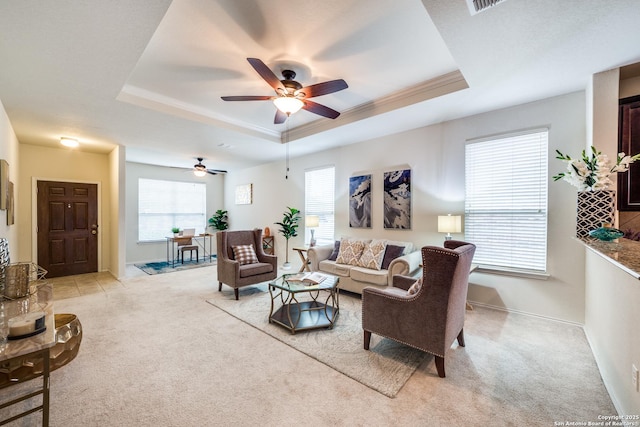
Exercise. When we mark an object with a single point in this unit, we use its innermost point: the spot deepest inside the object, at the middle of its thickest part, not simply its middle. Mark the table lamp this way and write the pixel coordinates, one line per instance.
(311, 222)
(449, 224)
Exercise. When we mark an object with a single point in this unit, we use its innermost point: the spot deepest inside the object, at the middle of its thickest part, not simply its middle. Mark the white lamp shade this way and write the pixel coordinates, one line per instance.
(288, 104)
(312, 221)
(449, 223)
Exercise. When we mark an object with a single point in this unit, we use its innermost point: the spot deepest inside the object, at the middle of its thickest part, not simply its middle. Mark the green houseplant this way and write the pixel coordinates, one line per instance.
(288, 228)
(175, 231)
(219, 220)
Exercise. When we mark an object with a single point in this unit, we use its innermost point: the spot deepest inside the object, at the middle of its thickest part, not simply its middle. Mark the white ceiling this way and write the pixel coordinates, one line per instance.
(149, 74)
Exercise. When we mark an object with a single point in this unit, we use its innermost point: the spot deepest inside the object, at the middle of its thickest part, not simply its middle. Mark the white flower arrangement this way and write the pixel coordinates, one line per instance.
(591, 173)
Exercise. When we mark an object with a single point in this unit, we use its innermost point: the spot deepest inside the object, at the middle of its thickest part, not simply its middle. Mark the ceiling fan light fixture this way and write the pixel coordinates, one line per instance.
(199, 172)
(288, 104)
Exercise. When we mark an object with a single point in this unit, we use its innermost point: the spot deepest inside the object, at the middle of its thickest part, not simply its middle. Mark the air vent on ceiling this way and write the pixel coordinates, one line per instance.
(477, 6)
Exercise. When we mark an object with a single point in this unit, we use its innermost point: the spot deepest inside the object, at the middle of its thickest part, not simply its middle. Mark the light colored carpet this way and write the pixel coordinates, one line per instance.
(155, 353)
(385, 368)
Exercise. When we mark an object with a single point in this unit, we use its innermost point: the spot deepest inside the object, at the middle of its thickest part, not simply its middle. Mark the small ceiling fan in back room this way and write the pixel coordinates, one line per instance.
(291, 96)
(201, 170)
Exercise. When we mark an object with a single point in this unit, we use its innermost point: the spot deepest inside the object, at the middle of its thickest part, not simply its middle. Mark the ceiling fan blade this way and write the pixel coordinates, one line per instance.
(216, 171)
(266, 73)
(324, 88)
(320, 109)
(247, 98)
(280, 117)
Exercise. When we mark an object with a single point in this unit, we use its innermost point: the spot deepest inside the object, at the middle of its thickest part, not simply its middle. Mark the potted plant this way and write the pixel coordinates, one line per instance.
(175, 231)
(219, 220)
(288, 228)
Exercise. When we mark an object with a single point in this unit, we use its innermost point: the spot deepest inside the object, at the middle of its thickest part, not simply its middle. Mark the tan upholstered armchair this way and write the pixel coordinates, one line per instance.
(433, 317)
(233, 272)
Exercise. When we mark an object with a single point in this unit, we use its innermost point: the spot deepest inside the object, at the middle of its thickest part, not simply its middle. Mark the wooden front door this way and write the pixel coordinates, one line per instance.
(67, 228)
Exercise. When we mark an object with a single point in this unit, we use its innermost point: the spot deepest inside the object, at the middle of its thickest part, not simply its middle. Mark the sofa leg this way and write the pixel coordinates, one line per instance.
(440, 366)
(367, 339)
(219, 286)
(236, 293)
(461, 338)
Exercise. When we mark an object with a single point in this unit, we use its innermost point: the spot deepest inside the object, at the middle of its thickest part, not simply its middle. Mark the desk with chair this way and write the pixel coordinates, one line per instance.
(178, 245)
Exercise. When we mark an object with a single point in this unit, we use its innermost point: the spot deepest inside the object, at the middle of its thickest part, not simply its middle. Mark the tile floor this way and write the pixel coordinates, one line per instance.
(83, 284)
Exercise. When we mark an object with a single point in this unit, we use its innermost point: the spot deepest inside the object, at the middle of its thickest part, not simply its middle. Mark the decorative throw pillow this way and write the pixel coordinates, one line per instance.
(245, 254)
(336, 249)
(392, 252)
(415, 287)
(372, 254)
(350, 251)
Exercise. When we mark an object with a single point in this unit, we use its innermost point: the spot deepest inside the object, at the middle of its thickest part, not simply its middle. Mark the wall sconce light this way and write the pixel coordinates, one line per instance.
(311, 222)
(449, 224)
(69, 142)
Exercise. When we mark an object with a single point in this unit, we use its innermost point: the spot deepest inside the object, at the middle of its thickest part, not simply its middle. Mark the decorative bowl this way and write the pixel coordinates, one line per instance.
(606, 234)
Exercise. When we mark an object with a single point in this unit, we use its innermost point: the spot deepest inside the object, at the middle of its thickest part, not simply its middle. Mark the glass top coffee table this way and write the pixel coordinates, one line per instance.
(302, 305)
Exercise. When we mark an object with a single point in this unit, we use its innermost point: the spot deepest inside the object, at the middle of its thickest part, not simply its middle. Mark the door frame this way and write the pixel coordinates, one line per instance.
(34, 214)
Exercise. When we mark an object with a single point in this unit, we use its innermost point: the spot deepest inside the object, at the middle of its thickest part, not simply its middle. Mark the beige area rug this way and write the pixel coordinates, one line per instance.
(385, 368)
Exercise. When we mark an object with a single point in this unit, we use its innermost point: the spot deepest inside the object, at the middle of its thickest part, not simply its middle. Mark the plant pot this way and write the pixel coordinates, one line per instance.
(286, 266)
(594, 209)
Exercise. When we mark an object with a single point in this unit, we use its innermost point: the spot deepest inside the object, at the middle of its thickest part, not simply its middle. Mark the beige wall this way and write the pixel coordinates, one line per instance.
(9, 152)
(436, 156)
(43, 163)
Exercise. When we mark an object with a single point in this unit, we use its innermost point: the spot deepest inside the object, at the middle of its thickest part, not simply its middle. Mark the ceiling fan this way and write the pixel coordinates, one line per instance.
(201, 170)
(291, 96)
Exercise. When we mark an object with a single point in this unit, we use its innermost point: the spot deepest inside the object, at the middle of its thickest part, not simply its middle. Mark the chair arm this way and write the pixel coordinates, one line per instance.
(228, 270)
(403, 282)
(404, 265)
(317, 254)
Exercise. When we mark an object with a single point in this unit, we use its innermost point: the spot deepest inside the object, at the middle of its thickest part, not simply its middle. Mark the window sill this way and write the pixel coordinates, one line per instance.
(504, 271)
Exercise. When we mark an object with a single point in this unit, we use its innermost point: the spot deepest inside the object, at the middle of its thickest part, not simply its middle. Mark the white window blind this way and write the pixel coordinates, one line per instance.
(163, 205)
(319, 199)
(506, 200)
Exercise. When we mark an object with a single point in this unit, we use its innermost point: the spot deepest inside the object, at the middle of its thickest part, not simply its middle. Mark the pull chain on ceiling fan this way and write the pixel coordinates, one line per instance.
(291, 96)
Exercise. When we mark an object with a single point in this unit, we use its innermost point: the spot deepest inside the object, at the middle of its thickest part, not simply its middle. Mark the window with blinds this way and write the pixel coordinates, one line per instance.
(506, 200)
(319, 199)
(163, 205)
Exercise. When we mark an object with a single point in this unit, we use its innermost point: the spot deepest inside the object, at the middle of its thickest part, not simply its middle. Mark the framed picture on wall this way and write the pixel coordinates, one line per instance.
(244, 194)
(397, 199)
(10, 205)
(360, 201)
(4, 184)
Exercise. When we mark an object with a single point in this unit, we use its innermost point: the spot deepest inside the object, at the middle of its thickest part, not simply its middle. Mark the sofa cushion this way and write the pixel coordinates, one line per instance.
(350, 251)
(392, 252)
(408, 246)
(374, 277)
(334, 268)
(336, 249)
(245, 254)
(373, 254)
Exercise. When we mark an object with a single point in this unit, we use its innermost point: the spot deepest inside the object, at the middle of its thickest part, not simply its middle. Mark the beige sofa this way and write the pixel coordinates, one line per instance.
(354, 278)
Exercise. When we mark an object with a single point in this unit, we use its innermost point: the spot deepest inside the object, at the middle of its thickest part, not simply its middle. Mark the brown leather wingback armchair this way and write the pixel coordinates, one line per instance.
(432, 318)
(231, 272)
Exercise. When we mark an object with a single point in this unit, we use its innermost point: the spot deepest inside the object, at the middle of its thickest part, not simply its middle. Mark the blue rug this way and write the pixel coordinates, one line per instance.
(165, 267)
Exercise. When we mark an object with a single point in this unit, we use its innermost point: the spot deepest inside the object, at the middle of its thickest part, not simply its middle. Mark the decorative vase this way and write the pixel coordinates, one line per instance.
(594, 209)
(267, 231)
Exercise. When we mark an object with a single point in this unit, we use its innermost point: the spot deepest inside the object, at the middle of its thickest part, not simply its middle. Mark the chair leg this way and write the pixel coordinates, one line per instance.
(461, 338)
(236, 293)
(197, 256)
(440, 366)
(219, 286)
(182, 252)
(367, 339)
